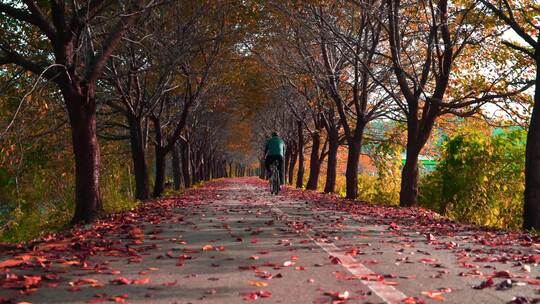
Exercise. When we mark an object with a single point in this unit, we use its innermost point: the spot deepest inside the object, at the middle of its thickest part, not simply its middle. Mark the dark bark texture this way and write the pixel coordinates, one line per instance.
(300, 152)
(331, 167)
(531, 207)
(314, 164)
(138, 155)
(87, 159)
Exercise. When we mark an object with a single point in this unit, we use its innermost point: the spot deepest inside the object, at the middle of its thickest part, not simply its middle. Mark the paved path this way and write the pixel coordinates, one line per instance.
(231, 242)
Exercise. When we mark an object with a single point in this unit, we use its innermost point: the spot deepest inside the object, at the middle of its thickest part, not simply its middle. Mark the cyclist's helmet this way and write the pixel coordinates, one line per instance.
(275, 133)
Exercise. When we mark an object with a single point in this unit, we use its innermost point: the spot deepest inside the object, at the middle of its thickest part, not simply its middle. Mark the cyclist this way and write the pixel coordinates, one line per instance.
(275, 150)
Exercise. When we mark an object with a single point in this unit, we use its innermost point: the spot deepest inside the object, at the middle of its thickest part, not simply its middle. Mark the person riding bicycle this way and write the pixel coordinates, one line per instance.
(275, 151)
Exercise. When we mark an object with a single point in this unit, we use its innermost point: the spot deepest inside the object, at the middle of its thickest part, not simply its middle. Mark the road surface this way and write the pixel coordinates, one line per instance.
(232, 242)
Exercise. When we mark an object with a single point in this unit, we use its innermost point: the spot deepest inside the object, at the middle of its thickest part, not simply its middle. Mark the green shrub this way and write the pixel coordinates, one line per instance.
(367, 187)
(39, 197)
(387, 159)
(341, 186)
(117, 188)
(480, 179)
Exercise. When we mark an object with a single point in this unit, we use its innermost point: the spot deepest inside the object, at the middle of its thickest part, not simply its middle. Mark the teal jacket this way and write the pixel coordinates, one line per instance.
(275, 146)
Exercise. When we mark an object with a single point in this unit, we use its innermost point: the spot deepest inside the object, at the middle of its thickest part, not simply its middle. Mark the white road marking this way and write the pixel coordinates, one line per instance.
(387, 293)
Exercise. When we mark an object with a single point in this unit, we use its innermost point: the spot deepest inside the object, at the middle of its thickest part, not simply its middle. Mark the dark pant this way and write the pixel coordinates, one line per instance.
(270, 159)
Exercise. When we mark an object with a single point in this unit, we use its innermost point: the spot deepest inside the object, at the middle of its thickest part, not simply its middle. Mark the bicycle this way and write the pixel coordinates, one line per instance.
(274, 179)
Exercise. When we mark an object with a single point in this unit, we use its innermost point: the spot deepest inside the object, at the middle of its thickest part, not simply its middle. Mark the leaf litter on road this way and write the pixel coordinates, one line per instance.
(132, 238)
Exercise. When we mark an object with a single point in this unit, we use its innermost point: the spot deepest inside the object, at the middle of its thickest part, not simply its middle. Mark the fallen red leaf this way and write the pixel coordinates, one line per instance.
(434, 295)
(119, 299)
(15, 261)
(502, 274)
(136, 233)
(335, 260)
(394, 226)
(256, 294)
(141, 281)
(120, 281)
(485, 284)
(338, 295)
(169, 283)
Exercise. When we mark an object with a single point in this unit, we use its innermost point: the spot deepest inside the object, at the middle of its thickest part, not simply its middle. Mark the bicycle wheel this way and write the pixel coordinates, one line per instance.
(275, 179)
(271, 180)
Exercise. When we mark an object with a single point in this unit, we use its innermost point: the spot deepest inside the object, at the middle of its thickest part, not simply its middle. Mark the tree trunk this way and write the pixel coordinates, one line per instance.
(195, 168)
(202, 168)
(408, 194)
(82, 116)
(223, 169)
(287, 163)
(159, 184)
(262, 173)
(333, 146)
(207, 169)
(531, 207)
(351, 173)
(213, 169)
(300, 175)
(202, 175)
(291, 166)
(185, 157)
(138, 155)
(176, 167)
(314, 165)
